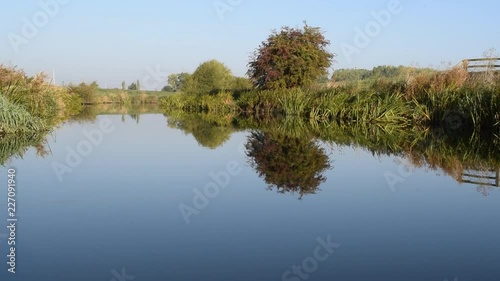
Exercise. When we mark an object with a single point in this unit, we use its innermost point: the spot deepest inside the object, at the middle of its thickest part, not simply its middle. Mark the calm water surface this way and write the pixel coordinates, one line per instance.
(132, 210)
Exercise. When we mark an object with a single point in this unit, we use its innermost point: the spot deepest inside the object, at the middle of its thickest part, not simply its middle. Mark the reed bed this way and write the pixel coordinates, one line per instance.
(31, 104)
(14, 119)
(454, 99)
(222, 102)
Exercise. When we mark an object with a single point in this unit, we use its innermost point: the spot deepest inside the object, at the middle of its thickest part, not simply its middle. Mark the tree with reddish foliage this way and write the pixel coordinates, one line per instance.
(293, 57)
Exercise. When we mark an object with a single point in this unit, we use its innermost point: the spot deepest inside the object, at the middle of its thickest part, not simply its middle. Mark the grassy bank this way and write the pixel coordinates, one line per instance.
(30, 104)
(15, 118)
(452, 99)
(93, 95)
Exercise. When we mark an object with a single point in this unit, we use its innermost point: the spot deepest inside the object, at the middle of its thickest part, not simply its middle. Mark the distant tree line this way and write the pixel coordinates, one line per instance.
(136, 86)
(384, 71)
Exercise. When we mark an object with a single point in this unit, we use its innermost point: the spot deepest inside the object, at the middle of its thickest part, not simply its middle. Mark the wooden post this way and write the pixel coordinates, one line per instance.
(498, 178)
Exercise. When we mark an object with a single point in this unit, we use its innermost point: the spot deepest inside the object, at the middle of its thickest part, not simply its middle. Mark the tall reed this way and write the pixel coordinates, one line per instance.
(14, 119)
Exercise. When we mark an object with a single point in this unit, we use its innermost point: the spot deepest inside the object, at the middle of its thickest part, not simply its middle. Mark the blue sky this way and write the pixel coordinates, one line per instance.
(116, 40)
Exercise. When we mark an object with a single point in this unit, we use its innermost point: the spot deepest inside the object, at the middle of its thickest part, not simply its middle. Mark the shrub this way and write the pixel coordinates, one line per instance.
(209, 78)
(87, 93)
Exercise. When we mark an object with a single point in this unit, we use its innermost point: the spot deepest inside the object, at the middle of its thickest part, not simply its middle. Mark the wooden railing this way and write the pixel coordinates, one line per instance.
(489, 178)
(481, 65)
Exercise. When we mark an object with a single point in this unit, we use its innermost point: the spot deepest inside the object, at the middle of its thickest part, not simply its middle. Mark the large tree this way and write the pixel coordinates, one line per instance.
(292, 57)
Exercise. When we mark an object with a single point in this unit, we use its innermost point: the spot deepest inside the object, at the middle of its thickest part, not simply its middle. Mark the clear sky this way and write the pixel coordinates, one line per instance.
(115, 40)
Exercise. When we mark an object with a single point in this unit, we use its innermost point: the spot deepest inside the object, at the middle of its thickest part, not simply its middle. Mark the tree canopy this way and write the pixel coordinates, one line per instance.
(176, 81)
(132, 87)
(292, 57)
(208, 78)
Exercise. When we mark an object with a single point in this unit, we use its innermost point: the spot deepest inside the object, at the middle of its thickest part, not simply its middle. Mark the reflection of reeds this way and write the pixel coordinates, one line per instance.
(18, 145)
(89, 113)
(449, 151)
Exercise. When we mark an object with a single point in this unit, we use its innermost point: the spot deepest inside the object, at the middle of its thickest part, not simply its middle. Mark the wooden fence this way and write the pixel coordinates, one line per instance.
(488, 178)
(481, 65)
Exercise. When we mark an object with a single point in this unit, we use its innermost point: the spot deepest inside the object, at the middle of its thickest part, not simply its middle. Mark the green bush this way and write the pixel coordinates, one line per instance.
(88, 93)
(209, 78)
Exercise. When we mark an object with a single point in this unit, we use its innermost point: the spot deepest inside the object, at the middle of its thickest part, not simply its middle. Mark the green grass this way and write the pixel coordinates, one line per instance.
(15, 119)
(30, 104)
(221, 102)
(439, 99)
(133, 92)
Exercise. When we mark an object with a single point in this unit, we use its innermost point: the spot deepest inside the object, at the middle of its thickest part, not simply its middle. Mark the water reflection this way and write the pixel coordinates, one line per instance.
(289, 164)
(287, 153)
(12, 146)
(208, 132)
(15, 146)
(284, 152)
(90, 113)
(144, 169)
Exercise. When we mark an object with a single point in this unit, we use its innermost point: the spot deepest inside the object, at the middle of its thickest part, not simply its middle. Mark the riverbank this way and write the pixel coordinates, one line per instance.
(452, 99)
(450, 150)
(30, 104)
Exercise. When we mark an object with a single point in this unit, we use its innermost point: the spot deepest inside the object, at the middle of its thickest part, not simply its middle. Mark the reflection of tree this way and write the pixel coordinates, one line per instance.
(136, 117)
(207, 133)
(484, 190)
(291, 164)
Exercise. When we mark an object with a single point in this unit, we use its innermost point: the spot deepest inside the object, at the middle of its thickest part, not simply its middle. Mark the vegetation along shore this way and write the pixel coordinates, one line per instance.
(287, 76)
